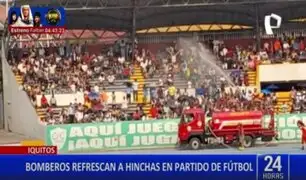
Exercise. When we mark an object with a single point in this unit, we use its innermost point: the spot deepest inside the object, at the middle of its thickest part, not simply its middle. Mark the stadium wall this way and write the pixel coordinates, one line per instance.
(19, 114)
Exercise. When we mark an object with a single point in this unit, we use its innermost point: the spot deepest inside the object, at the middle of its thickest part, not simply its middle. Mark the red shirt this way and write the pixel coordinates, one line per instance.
(304, 133)
(153, 112)
(302, 46)
(86, 58)
(43, 100)
(126, 71)
(136, 116)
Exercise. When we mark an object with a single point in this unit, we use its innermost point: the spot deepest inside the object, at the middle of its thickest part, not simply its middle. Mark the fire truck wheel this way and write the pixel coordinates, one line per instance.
(248, 141)
(195, 143)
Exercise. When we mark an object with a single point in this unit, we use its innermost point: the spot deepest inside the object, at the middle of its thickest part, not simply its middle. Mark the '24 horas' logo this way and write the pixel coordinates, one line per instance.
(268, 23)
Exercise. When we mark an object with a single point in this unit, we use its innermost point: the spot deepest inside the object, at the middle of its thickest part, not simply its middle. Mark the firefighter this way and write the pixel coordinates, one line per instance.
(302, 127)
(241, 137)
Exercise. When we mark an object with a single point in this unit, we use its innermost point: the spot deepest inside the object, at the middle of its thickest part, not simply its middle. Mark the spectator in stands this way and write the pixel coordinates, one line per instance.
(44, 101)
(113, 97)
(53, 101)
(135, 90)
(154, 112)
(111, 79)
(71, 68)
(137, 115)
(71, 113)
(124, 105)
(129, 91)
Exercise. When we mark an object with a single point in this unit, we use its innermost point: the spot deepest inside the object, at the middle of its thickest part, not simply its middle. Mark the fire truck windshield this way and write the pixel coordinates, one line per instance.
(186, 118)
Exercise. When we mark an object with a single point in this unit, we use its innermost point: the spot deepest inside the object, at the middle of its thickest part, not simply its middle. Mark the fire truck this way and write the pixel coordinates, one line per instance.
(224, 128)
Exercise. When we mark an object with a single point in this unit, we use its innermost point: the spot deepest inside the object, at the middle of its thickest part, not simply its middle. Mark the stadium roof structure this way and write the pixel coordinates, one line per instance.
(118, 14)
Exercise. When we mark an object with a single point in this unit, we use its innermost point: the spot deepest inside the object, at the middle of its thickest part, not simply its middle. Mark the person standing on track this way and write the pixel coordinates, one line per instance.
(241, 137)
(302, 127)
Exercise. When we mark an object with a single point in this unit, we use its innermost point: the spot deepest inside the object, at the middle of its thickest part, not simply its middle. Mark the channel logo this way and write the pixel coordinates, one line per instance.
(268, 27)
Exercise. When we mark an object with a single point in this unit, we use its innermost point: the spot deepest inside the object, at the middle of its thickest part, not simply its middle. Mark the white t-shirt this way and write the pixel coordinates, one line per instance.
(100, 57)
(135, 86)
(249, 96)
(266, 45)
(101, 78)
(173, 58)
(21, 67)
(52, 121)
(73, 88)
(37, 63)
(79, 116)
(124, 105)
(36, 69)
(160, 82)
(110, 78)
(71, 111)
(263, 54)
(143, 65)
(139, 59)
(121, 60)
(97, 89)
(52, 69)
(189, 84)
(224, 52)
(89, 72)
(84, 67)
(286, 45)
(57, 59)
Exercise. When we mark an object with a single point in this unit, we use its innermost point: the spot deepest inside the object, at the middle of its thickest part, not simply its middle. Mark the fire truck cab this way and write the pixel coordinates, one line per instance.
(224, 128)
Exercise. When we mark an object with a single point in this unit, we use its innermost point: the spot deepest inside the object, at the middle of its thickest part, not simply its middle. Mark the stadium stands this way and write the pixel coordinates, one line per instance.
(70, 85)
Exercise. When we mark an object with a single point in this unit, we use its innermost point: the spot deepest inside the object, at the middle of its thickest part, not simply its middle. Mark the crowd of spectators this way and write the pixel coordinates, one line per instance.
(71, 69)
(210, 85)
(298, 101)
(68, 69)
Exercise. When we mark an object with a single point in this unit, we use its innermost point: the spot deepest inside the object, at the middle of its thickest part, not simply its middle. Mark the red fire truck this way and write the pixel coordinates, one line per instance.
(224, 128)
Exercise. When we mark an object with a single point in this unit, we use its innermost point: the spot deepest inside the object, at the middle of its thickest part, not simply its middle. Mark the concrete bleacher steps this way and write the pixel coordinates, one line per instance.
(146, 109)
(252, 75)
(41, 112)
(283, 97)
(138, 75)
(133, 106)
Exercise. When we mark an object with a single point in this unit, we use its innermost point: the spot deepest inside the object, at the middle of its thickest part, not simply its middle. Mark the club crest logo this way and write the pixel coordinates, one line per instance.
(58, 137)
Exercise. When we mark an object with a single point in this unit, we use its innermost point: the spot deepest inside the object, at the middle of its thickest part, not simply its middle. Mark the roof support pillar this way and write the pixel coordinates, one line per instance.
(133, 30)
(258, 39)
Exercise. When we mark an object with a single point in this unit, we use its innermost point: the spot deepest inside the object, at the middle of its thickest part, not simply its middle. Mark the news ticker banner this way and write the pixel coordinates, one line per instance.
(36, 20)
(139, 167)
(141, 134)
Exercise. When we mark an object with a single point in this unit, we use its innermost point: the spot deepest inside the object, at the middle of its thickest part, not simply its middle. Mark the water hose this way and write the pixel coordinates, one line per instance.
(226, 145)
(216, 137)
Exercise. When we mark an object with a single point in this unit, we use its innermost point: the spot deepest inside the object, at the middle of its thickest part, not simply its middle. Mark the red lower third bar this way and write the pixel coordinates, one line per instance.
(38, 150)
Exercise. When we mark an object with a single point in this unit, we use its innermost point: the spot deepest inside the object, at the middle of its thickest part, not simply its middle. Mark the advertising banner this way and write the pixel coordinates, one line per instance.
(290, 72)
(142, 134)
(287, 127)
(116, 136)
